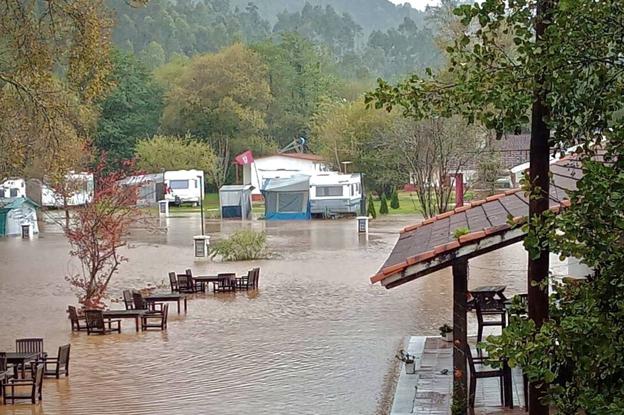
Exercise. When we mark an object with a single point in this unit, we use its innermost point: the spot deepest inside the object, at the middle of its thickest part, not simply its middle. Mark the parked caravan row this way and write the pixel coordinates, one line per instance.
(177, 187)
(81, 185)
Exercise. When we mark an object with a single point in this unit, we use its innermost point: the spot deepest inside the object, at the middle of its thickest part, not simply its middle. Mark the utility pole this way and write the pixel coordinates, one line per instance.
(538, 269)
(201, 203)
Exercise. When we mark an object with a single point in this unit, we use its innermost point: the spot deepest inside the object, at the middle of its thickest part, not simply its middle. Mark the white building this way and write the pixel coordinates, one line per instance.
(282, 165)
(16, 212)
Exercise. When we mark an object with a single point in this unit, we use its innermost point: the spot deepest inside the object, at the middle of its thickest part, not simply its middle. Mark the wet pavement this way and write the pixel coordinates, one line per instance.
(316, 338)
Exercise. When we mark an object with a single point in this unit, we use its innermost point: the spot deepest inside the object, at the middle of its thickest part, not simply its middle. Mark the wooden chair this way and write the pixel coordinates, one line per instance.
(482, 312)
(227, 282)
(128, 299)
(155, 319)
(75, 319)
(97, 324)
(6, 371)
(197, 285)
(60, 363)
(25, 388)
(256, 277)
(173, 281)
(30, 345)
(481, 374)
(185, 284)
(138, 301)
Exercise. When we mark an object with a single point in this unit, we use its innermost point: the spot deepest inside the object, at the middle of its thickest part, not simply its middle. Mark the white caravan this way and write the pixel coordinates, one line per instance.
(334, 194)
(184, 186)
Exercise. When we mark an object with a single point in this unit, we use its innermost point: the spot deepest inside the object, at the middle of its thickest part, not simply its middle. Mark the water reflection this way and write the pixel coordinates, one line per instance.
(317, 338)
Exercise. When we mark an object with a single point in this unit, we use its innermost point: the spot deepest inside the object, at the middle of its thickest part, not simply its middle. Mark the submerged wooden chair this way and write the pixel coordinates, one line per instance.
(173, 282)
(6, 371)
(25, 388)
(97, 324)
(30, 345)
(75, 319)
(128, 299)
(185, 283)
(60, 363)
(155, 319)
(227, 282)
(197, 285)
(245, 282)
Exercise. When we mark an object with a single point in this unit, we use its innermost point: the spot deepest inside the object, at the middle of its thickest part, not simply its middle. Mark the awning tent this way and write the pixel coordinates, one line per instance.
(492, 223)
(287, 198)
(235, 201)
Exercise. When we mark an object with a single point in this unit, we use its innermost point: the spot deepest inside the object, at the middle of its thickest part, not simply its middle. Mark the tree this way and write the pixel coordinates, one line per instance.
(565, 72)
(96, 233)
(371, 207)
(489, 170)
(130, 112)
(394, 200)
(383, 206)
(53, 64)
(153, 56)
(175, 153)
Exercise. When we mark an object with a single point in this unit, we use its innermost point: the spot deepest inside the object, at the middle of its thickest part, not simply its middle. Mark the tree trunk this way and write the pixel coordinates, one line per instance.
(538, 204)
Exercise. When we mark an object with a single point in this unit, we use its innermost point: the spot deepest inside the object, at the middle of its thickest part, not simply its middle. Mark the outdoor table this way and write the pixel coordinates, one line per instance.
(161, 297)
(489, 296)
(135, 314)
(206, 279)
(18, 359)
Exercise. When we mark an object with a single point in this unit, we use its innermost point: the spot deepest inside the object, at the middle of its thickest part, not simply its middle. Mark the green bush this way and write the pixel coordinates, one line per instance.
(242, 245)
(383, 208)
(371, 207)
(394, 200)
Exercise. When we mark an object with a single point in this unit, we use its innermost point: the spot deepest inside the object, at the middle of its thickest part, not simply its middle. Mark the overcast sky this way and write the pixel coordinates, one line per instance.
(419, 4)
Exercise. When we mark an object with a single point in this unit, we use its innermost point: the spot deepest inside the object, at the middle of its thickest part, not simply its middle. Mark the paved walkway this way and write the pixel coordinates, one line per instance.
(429, 391)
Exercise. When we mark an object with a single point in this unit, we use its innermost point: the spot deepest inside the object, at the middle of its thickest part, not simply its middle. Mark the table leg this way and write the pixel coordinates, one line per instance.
(184, 305)
(507, 385)
(136, 321)
(178, 306)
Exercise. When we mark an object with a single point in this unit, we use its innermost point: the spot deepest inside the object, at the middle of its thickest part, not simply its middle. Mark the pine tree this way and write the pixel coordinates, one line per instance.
(394, 201)
(383, 208)
(371, 207)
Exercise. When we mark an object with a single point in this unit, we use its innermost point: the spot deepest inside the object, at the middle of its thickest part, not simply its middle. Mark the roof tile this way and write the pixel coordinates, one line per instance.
(471, 237)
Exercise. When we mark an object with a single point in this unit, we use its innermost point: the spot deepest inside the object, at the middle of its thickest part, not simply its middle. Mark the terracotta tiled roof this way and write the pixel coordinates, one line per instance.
(434, 237)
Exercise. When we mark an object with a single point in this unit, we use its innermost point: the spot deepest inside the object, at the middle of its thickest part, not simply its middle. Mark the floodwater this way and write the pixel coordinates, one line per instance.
(316, 338)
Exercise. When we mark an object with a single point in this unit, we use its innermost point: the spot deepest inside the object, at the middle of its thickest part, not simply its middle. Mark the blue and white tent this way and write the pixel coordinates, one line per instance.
(287, 198)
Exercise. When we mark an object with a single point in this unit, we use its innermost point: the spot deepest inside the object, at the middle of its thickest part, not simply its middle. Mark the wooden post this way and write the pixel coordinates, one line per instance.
(539, 176)
(460, 336)
(459, 190)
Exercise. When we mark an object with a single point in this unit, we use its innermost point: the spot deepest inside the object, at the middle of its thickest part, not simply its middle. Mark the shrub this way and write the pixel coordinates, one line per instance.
(394, 200)
(242, 245)
(383, 208)
(371, 207)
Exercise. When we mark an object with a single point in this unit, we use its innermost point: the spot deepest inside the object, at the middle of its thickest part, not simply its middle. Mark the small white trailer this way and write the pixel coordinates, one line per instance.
(184, 186)
(333, 194)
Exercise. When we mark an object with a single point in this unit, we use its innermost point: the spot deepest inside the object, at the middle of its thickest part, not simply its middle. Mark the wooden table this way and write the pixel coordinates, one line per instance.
(18, 359)
(162, 297)
(135, 314)
(489, 296)
(206, 279)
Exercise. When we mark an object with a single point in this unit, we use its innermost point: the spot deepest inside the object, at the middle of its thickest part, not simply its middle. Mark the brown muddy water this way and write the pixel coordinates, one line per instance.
(316, 338)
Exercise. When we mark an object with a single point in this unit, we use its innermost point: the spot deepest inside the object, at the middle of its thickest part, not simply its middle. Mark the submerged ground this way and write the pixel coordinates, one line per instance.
(316, 338)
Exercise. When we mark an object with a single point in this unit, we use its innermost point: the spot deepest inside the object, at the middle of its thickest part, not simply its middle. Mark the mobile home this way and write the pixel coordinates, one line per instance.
(334, 194)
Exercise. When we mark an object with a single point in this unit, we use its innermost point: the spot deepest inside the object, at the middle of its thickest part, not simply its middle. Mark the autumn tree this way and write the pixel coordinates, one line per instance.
(54, 62)
(96, 233)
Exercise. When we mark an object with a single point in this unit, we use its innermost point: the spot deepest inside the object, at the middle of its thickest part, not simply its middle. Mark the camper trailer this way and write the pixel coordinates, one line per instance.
(184, 186)
(13, 188)
(335, 194)
(81, 185)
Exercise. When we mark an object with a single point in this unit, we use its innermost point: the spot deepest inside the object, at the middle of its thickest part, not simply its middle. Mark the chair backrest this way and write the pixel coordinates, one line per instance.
(128, 300)
(63, 356)
(227, 278)
(95, 320)
(173, 281)
(3, 362)
(138, 301)
(73, 313)
(189, 272)
(184, 282)
(38, 376)
(256, 277)
(32, 345)
(165, 311)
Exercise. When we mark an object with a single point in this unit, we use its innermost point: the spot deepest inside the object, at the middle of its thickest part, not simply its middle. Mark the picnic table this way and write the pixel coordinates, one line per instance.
(164, 297)
(20, 359)
(135, 314)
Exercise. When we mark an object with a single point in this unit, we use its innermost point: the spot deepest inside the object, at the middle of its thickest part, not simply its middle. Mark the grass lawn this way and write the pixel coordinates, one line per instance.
(408, 204)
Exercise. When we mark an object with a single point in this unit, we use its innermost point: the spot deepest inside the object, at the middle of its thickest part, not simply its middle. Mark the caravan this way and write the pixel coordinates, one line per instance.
(184, 186)
(334, 194)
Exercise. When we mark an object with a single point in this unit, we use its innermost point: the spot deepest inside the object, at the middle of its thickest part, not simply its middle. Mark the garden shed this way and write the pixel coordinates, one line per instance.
(235, 201)
(287, 198)
(15, 212)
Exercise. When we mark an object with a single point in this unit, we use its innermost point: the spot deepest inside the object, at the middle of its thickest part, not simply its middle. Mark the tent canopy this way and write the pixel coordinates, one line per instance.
(287, 198)
(235, 201)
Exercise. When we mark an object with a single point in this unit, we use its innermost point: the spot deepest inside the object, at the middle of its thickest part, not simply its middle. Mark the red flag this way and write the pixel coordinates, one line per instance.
(244, 158)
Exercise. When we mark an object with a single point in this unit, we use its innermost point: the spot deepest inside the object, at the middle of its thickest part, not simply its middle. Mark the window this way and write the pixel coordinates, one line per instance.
(178, 184)
(322, 191)
(14, 192)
